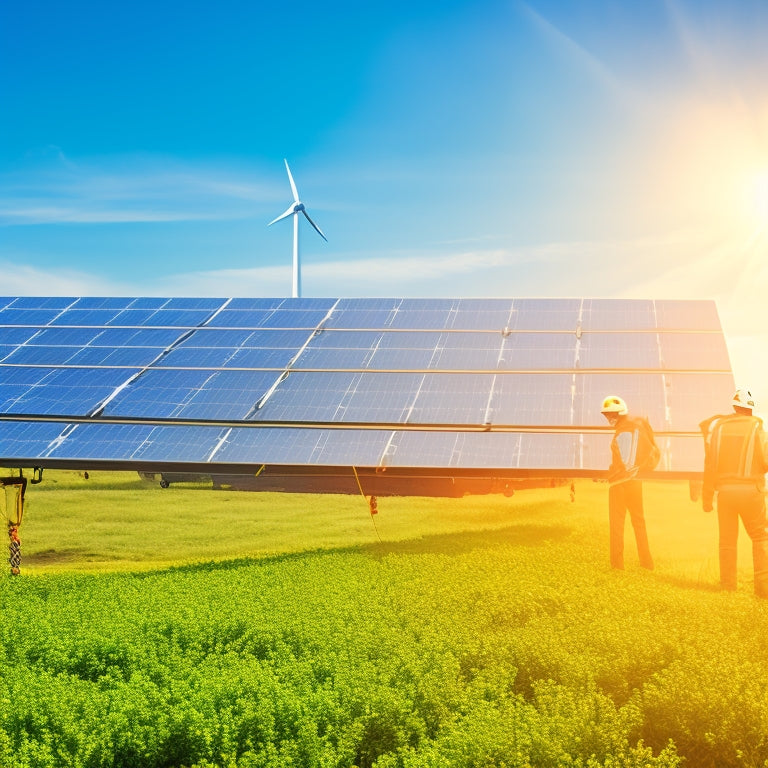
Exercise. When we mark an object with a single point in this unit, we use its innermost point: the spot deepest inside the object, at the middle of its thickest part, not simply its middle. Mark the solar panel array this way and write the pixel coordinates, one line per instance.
(511, 384)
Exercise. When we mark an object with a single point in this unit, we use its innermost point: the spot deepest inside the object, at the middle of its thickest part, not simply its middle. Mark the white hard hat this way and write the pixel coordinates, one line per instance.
(614, 404)
(742, 398)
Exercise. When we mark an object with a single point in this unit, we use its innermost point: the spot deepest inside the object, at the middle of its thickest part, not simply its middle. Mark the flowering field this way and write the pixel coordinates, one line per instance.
(505, 644)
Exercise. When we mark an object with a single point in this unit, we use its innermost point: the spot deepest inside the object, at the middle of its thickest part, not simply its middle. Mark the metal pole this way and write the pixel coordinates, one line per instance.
(296, 276)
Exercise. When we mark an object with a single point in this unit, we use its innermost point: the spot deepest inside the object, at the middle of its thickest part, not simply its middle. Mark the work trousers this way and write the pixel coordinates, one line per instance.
(623, 498)
(748, 503)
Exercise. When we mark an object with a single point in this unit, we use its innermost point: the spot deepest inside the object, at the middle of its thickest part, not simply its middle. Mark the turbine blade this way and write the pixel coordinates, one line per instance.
(317, 229)
(282, 216)
(293, 185)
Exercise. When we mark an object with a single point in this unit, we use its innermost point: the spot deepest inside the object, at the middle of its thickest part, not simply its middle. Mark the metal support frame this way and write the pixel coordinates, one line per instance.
(14, 514)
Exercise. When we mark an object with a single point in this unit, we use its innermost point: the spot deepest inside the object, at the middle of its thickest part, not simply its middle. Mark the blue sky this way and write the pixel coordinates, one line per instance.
(453, 148)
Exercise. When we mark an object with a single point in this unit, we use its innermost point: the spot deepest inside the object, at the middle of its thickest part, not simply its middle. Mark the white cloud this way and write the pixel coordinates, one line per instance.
(23, 280)
(128, 189)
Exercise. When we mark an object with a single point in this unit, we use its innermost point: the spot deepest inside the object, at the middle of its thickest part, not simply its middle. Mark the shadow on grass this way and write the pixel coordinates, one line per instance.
(527, 535)
(62, 556)
(688, 582)
(451, 544)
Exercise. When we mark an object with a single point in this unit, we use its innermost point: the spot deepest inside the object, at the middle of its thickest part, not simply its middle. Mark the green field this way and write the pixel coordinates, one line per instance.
(190, 627)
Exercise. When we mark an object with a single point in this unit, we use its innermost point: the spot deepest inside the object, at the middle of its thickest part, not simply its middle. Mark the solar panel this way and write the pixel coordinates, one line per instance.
(503, 384)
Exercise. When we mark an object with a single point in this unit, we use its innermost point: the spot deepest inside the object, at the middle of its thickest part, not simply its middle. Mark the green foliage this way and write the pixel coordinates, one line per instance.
(515, 647)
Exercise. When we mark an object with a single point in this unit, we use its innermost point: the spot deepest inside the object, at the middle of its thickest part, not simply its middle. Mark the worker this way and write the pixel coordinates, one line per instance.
(633, 448)
(734, 469)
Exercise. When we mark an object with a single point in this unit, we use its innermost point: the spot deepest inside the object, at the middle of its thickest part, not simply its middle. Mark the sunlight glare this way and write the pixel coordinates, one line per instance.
(760, 196)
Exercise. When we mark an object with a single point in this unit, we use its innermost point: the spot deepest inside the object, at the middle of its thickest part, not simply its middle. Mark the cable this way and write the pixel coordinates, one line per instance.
(372, 505)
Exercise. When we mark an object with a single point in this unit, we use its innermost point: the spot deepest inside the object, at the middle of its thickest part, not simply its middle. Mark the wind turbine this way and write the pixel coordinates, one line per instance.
(294, 210)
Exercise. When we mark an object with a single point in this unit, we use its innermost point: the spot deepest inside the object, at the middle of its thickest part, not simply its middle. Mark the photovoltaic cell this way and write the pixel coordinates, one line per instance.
(533, 399)
(459, 398)
(34, 354)
(27, 440)
(68, 392)
(191, 394)
(338, 396)
(691, 398)
(466, 351)
(401, 351)
(694, 352)
(346, 349)
(100, 302)
(27, 317)
(538, 351)
(687, 315)
(87, 317)
(360, 319)
(38, 302)
(620, 350)
(618, 315)
(98, 442)
(545, 314)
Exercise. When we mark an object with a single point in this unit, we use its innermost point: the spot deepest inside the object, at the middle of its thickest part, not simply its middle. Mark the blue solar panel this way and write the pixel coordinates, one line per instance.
(618, 315)
(687, 315)
(545, 314)
(360, 319)
(529, 399)
(544, 364)
(694, 351)
(39, 302)
(179, 318)
(35, 317)
(619, 350)
(459, 398)
(691, 397)
(148, 302)
(346, 349)
(27, 440)
(99, 442)
(65, 337)
(201, 394)
(404, 351)
(335, 396)
(41, 355)
(243, 348)
(134, 317)
(294, 318)
(468, 351)
(483, 314)
(538, 351)
(101, 302)
(87, 317)
(413, 317)
(303, 446)
(10, 338)
(67, 391)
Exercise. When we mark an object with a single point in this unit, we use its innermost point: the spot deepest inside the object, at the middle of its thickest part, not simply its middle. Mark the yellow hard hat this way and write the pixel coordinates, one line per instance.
(742, 398)
(614, 404)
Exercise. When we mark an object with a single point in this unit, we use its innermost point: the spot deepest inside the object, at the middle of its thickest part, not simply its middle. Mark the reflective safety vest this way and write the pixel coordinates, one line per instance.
(734, 451)
(633, 448)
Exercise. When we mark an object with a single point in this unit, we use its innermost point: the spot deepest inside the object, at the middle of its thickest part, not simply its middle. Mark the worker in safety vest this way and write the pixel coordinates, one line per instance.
(633, 448)
(734, 468)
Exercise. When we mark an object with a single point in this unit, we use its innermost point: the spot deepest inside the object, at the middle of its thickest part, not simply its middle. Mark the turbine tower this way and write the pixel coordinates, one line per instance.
(294, 210)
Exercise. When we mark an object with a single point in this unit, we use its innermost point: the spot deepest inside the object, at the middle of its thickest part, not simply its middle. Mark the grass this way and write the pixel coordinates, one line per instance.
(118, 521)
(189, 627)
